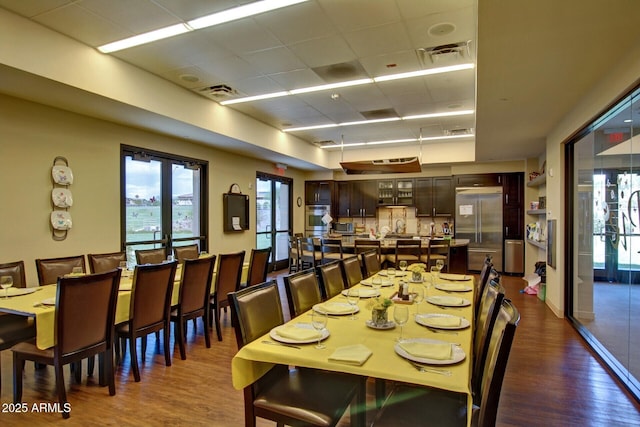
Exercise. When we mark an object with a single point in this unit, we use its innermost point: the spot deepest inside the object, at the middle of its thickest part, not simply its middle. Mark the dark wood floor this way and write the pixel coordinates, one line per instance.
(552, 380)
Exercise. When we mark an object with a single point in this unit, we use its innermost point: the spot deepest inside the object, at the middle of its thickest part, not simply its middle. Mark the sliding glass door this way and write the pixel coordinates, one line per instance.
(273, 217)
(604, 288)
(163, 201)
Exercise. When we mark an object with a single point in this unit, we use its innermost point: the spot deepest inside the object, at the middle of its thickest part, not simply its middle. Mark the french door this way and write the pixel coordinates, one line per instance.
(273, 217)
(163, 201)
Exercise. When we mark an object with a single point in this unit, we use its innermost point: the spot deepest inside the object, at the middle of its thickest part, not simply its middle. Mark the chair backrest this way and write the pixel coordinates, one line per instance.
(150, 256)
(228, 275)
(370, 262)
(352, 270)
(15, 270)
(364, 245)
(255, 310)
(99, 263)
(151, 294)
(294, 253)
(180, 253)
(489, 305)
(331, 279)
(85, 313)
(408, 250)
(195, 288)
(330, 249)
(308, 253)
(495, 367)
(50, 269)
(438, 249)
(258, 266)
(302, 291)
(482, 282)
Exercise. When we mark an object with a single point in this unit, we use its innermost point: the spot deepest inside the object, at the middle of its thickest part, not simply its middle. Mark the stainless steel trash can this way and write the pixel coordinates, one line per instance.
(514, 256)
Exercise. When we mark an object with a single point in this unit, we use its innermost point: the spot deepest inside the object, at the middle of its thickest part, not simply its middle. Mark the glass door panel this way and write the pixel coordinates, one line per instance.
(273, 217)
(185, 205)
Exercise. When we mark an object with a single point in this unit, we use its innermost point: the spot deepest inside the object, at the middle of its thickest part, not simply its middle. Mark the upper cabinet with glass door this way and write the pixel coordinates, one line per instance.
(392, 192)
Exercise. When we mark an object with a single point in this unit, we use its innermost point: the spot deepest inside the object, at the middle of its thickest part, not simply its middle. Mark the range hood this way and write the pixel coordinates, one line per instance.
(401, 165)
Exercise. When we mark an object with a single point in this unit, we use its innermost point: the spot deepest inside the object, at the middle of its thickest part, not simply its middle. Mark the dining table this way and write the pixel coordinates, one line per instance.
(443, 320)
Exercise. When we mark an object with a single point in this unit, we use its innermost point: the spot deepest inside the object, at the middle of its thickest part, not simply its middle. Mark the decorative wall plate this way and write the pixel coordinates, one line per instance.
(62, 175)
(62, 197)
(61, 220)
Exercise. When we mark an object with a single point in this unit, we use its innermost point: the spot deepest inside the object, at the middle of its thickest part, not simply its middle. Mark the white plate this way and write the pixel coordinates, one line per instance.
(455, 277)
(61, 220)
(62, 197)
(364, 293)
(447, 301)
(352, 308)
(458, 353)
(274, 334)
(423, 319)
(385, 283)
(49, 301)
(62, 175)
(398, 273)
(390, 324)
(443, 287)
(14, 292)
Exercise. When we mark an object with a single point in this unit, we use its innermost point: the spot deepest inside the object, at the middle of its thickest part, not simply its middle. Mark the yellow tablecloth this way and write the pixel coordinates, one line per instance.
(256, 358)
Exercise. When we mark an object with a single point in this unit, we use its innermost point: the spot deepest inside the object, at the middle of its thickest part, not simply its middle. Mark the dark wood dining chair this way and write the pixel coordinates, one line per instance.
(302, 290)
(193, 300)
(181, 253)
(289, 396)
(490, 301)
(49, 269)
(409, 405)
(352, 270)
(407, 250)
(364, 245)
(99, 263)
(483, 279)
(84, 317)
(331, 279)
(151, 256)
(437, 249)
(258, 266)
(309, 254)
(13, 327)
(228, 279)
(149, 310)
(370, 262)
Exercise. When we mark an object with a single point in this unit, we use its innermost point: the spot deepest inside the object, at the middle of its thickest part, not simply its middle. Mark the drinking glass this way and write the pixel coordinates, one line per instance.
(5, 283)
(391, 273)
(418, 296)
(400, 316)
(440, 264)
(402, 265)
(353, 296)
(435, 275)
(319, 322)
(376, 283)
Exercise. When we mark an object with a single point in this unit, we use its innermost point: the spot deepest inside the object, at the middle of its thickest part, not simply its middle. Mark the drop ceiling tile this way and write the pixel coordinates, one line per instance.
(255, 85)
(276, 60)
(33, 8)
(379, 40)
(465, 28)
(135, 16)
(297, 23)
(231, 68)
(243, 36)
(297, 79)
(188, 10)
(356, 14)
(323, 51)
(383, 65)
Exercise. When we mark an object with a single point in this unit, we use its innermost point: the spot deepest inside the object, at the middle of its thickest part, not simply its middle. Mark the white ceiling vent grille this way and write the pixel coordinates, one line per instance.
(458, 131)
(218, 92)
(444, 53)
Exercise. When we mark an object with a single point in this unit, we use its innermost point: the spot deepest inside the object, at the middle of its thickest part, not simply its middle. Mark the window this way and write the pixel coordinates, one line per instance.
(164, 201)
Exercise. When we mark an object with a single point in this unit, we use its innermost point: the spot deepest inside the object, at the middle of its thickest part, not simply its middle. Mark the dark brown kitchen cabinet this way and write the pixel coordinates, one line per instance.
(478, 180)
(513, 205)
(434, 196)
(318, 192)
(357, 198)
(399, 192)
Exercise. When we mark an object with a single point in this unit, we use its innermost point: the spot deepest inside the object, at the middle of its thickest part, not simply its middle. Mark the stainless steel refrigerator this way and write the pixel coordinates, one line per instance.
(479, 219)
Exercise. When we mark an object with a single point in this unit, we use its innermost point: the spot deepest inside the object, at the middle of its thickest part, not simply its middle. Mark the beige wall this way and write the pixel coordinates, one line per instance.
(32, 135)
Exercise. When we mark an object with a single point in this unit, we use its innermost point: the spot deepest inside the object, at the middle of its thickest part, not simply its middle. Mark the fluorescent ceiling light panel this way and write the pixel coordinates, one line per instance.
(149, 37)
(389, 119)
(234, 14)
(240, 12)
(421, 73)
(330, 86)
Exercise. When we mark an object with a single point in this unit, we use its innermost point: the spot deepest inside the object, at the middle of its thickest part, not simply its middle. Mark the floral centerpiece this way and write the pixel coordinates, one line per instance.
(379, 315)
(416, 271)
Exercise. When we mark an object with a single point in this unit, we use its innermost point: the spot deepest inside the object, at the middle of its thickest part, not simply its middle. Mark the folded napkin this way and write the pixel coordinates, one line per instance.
(453, 286)
(364, 293)
(424, 350)
(333, 308)
(444, 321)
(355, 354)
(369, 282)
(450, 276)
(298, 334)
(447, 300)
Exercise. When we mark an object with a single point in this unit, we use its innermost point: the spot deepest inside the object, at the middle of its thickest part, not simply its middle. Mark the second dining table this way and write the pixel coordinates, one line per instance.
(450, 296)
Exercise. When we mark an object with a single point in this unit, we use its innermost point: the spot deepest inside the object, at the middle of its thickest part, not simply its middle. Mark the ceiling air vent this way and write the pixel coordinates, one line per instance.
(444, 53)
(218, 92)
(326, 143)
(458, 131)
